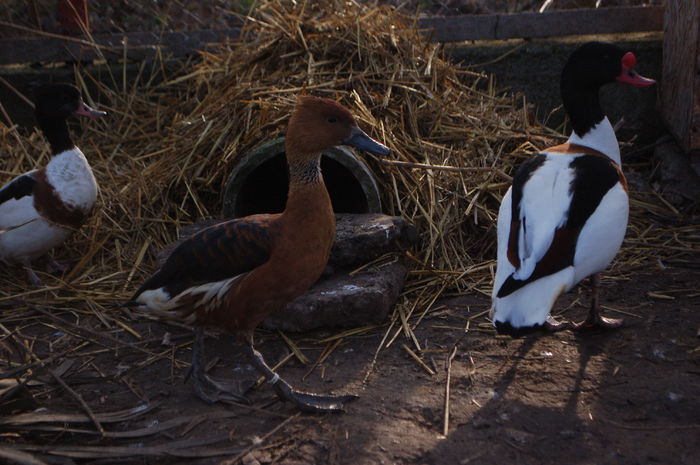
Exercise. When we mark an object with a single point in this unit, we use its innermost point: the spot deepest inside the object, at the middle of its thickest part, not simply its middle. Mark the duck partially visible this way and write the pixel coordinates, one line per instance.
(234, 274)
(40, 209)
(565, 216)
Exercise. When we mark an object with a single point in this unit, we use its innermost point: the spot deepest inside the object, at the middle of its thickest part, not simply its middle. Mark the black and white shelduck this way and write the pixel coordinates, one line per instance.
(565, 216)
(41, 208)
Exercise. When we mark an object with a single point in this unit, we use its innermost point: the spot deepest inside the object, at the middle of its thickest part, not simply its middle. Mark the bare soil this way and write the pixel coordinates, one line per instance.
(630, 396)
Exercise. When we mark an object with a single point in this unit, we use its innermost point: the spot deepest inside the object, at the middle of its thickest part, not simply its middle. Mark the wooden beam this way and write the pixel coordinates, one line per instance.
(139, 45)
(548, 24)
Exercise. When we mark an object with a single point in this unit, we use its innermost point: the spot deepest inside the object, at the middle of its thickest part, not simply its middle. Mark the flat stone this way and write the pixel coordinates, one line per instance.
(343, 301)
(360, 238)
(339, 300)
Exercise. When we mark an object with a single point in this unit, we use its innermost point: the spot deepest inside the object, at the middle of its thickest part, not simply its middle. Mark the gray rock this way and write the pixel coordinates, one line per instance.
(361, 238)
(343, 301)
(339, 300)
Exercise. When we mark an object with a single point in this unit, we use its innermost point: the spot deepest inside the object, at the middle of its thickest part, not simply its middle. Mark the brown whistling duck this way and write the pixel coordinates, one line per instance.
(565, 216)
(40, 209)
(234, 274)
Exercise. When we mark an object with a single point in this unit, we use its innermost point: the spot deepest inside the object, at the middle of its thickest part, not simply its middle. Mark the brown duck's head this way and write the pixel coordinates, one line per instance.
(317, 124)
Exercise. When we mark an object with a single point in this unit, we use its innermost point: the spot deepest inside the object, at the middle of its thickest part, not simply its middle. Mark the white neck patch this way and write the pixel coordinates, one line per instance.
(71, 177)
(601, 138)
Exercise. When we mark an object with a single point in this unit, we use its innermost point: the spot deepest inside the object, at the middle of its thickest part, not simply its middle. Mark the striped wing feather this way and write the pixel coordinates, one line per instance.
(216, 253)
(19, 187)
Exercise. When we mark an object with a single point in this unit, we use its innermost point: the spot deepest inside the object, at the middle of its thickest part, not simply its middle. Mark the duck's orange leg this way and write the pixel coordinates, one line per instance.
(595, 319)
(305, 401)
(206, 388)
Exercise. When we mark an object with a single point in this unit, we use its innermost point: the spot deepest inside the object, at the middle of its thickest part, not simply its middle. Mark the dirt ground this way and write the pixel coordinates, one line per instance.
(630, 396)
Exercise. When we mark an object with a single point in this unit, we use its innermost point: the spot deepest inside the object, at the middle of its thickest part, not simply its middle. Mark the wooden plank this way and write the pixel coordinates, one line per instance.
(139, 45)
(142, 45)
(548, 24)
(680, 84)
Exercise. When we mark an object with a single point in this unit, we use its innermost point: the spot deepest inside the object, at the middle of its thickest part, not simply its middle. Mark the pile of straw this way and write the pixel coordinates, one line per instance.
(163, 155)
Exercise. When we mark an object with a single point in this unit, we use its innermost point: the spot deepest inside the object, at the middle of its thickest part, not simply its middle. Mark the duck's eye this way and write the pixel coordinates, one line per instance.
(332, 119)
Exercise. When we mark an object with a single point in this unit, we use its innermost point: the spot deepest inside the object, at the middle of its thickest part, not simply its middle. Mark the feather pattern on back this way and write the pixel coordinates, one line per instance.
(217, 253)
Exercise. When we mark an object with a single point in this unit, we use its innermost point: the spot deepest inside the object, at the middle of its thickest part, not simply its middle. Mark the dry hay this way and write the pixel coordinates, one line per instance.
(164, 153)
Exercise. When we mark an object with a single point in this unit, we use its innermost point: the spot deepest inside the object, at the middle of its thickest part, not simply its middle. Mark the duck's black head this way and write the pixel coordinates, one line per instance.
(592, 65)
(589, 67)
(53, 105)
(59, 101)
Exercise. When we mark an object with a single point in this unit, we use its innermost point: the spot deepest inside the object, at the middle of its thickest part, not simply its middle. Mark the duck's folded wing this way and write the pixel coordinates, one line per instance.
(553, 197)
(538, 241)
(541, 200)
(216, 253)
(19, 187)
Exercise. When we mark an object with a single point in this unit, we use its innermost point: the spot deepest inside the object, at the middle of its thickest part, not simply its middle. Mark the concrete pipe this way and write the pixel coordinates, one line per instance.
(258, 184)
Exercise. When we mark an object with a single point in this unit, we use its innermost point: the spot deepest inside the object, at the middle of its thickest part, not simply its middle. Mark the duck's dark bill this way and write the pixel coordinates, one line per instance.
(360, 140)
(84, 110)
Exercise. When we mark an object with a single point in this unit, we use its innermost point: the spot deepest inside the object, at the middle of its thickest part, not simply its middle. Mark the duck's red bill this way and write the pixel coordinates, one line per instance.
(84, 110)
(630, 76)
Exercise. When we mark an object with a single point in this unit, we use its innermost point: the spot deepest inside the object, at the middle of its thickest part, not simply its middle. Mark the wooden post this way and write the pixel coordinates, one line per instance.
(680, 88)
(73, 17)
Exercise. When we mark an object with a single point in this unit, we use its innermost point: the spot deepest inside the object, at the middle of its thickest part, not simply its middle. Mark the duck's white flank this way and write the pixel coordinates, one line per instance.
(602, 235)
(530, 304)
(25, 234)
